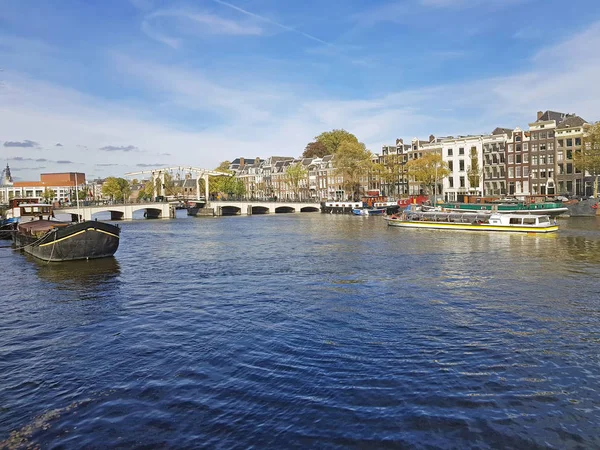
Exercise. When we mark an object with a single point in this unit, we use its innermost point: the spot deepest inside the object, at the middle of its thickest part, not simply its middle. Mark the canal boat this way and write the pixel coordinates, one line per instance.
(586, 207)
(7, 227)
(551, 209)
(39, 234)
(365, 211)
(54, 241)
(474, 221)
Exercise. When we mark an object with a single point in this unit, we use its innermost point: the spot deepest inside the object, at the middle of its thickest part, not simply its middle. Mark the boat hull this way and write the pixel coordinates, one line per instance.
(84, 240)
(470, 226)
(583, 208)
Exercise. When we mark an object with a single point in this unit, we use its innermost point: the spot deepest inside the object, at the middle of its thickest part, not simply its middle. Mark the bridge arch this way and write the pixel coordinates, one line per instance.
(260, 210)
(285, 210)
(106, 214)
(310, 209)
(230, 210)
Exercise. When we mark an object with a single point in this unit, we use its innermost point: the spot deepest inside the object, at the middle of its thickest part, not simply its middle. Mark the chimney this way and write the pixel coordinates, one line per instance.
(540, 114)
(431, 138)
(241, 162)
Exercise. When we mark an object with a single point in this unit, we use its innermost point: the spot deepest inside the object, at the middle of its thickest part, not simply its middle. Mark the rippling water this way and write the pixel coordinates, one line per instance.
(305, 330)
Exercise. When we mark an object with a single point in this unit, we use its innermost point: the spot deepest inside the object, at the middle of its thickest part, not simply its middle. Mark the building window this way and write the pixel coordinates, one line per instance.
(451, 166)
(461, 151)
(559, 155)
(577, 141)
(518, 138)
(451, 182)
(518, 172)
(525, 157)
(534, 160)
(569, 168)
(461, 165)
(511, 172)
(525, 171)
(518, 148)
(511, 158)
(569, 142)
(518, 159)
(534, 147)
(560, 143)
(550, 146)
(542, 147)
(510, 148)
(543, 135)
(462, 182)
(525, 146)
(550, 158)
(449, 152)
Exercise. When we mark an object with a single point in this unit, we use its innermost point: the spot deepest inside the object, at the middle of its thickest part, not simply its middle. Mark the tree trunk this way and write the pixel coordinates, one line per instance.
(596, 186)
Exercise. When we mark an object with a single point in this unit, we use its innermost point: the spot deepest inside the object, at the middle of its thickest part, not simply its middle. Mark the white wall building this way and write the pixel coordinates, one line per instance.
(456, 152)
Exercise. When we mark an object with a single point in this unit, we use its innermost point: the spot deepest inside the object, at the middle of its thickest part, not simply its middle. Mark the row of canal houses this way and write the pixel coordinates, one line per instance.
(537, 161)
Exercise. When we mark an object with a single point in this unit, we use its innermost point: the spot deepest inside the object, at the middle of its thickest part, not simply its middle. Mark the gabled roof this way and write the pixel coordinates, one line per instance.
(571, 121)
(552, 115)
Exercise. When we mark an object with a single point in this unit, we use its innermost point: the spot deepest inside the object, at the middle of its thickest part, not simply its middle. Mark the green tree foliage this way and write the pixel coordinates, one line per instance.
(333, 140)
(428, 170)
(224, 167)
(116, 188)
(294, 174)
(148, 190)
(588, 159)
(353, 162)
(474, 173)
(314, 150)
(48, 195)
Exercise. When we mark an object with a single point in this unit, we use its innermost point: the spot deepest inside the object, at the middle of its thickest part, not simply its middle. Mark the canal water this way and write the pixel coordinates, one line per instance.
(305, 330)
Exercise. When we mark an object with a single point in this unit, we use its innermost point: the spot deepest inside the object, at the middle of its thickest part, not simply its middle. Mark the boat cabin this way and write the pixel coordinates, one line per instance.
(31, 211)
(520, 220)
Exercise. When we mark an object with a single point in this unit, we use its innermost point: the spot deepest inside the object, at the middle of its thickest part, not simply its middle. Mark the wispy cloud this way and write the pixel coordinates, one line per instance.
(64, 161)
(150, 165)
(106, 164)
(270, 21)
(58, 145)
(22, 144)
(119, 148)
(172, 26)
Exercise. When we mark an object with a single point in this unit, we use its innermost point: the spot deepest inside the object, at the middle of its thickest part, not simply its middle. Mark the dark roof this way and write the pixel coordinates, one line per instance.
(571, 121)
(328, 158)
(500, 130)
(552, 115)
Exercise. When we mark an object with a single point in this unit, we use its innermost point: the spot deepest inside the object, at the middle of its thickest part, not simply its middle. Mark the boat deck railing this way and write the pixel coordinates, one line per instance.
(451, 217)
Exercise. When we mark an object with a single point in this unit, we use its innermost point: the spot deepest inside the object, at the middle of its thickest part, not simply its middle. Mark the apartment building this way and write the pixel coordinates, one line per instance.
(494, 162)
(569, 137)
(63, 185)
(462, 155)
(518, 164)
(542, 146)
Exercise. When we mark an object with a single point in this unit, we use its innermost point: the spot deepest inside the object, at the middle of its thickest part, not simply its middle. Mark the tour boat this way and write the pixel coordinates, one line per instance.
(475, 221)
(507, 207)
(39, 234)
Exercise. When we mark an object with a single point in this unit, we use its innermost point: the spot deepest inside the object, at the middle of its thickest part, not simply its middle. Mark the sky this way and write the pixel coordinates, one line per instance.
(117, 86)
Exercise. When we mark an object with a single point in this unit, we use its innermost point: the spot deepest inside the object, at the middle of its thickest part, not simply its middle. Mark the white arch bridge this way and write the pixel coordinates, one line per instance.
(167, 211)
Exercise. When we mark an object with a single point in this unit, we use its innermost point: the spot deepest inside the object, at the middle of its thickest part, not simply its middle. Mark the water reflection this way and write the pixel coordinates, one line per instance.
(79, 275)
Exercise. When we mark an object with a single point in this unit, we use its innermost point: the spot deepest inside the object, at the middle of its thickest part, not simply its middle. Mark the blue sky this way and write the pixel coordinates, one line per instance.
(113, 86)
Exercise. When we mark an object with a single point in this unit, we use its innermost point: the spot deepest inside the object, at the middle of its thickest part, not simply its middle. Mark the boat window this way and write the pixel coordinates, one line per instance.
(36, 209)
(529, 221)
(515, 221)
(544, 219)
(27, 209)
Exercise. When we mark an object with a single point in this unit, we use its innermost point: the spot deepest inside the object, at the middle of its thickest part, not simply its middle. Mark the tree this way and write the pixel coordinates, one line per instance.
(314, 149)
(116, 188)
(48, 195)
(224, 167)
(588, 159)
(148, 190)
(332, 140)
(474, 172)
(294, 174)
(427, 170)
(352, 161)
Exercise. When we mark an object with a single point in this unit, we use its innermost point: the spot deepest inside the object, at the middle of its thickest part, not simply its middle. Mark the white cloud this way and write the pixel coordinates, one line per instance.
(262, 119)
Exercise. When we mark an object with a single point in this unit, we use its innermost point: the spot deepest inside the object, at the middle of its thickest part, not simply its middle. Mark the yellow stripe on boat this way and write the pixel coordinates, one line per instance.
(76, 234)
(456, 226)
